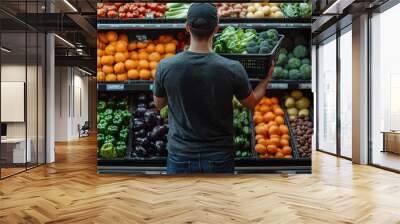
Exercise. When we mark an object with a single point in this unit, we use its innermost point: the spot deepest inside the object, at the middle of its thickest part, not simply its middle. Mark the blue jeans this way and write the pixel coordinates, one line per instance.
(215, 162)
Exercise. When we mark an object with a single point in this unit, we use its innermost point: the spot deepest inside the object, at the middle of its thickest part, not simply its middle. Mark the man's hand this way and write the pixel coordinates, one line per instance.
(259, 92)
(160, 102)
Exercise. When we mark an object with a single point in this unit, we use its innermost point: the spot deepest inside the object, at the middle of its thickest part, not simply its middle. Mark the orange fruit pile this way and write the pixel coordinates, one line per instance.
(119, 59)
(272, 135)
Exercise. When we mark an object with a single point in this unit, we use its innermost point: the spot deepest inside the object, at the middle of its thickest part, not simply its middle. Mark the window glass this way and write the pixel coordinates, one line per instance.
(327, 96)
(385, 84)
(346, 93)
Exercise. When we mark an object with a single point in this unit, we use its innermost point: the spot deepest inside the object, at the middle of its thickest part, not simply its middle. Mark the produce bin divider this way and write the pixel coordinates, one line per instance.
(256, 64)
(293, 141)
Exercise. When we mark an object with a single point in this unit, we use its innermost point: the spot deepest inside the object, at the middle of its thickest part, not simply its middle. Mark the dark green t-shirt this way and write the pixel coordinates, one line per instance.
(199, 88)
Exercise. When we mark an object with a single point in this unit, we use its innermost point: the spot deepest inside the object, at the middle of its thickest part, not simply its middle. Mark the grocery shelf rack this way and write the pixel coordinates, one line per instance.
(152, 26)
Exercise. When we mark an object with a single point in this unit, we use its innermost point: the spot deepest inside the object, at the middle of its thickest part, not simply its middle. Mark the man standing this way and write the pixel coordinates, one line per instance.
(198, 86)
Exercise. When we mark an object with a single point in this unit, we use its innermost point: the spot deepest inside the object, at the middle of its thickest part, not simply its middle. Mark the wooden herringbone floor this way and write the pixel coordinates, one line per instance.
(70, 191)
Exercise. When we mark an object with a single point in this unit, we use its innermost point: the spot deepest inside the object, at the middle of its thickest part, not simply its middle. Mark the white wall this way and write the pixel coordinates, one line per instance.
(71, 93)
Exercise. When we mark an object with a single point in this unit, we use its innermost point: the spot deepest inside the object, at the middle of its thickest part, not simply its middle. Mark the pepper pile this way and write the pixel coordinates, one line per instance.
(149, 128)
(242, 130)
(112, 127)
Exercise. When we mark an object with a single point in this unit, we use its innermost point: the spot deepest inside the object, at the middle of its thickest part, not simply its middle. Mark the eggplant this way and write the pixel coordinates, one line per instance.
(142, 105)
(160, 146)
(138, 125)
(140, 134)
(140, 111)
(142, 142)
(140, 151)
(142, 98)
(150, 118)
(159, 120)
(158, 132)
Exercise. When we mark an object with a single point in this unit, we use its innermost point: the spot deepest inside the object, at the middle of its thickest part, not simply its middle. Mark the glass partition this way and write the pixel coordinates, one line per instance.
(22, 77)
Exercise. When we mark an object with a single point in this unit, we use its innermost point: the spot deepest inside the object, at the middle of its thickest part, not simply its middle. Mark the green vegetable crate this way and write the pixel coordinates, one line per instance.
(257, 65)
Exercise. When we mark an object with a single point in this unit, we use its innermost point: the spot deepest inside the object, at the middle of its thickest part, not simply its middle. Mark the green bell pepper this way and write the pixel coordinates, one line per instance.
(112, 130)
(246, 131)
(164, 112)
(117, 121)
(101, 106)
(126, 115)
(239, 141)
(100, 117)
(109, 139)
(108, 151)
(108, 119)
(100, 140)
(102, 127)
(123, 135)
(121, 149)
(108, 112)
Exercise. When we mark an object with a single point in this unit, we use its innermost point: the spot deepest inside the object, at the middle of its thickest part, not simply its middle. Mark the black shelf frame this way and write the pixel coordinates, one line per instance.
(242, 165)
(151, 24)
(147, 85)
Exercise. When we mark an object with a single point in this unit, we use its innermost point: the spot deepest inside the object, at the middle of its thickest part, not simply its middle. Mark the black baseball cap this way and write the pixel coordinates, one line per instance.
(202, 16)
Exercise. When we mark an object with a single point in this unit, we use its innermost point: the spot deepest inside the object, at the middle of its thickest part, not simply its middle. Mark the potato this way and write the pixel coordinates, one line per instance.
(251, 9)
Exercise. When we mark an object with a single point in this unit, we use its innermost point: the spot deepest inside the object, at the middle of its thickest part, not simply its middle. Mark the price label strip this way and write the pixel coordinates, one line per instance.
(115, 87)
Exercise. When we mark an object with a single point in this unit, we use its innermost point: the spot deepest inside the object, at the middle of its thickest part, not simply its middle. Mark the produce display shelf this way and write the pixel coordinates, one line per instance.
(150, 24)
(210, 1)
(242, 165)
(147, 85)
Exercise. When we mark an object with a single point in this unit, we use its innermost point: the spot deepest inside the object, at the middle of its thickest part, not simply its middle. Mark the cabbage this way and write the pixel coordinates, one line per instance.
(300, 51)
(294, 63)
(282, 59)
(305, 10)
(305, 70)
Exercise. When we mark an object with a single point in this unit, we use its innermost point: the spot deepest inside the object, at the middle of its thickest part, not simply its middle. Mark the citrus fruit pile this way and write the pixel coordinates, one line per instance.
(272, 135)
(119, 59)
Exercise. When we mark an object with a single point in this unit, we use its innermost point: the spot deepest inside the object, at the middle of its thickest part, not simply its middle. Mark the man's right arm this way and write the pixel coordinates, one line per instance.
(259, 92)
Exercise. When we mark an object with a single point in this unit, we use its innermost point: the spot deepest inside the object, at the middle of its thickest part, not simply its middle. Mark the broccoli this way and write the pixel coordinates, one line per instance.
(271, 34)
(294, 74)
(277, 74)
(267, 43)
(306, 61)
(282, 59)
(283, 51)
(264, 50)
(294, 63)
(300, 51)
(305, 71)
(252, 47)
(290, 55)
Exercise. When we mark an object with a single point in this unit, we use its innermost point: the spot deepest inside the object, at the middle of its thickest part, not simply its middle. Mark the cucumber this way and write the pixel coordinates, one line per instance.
(174, 5)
